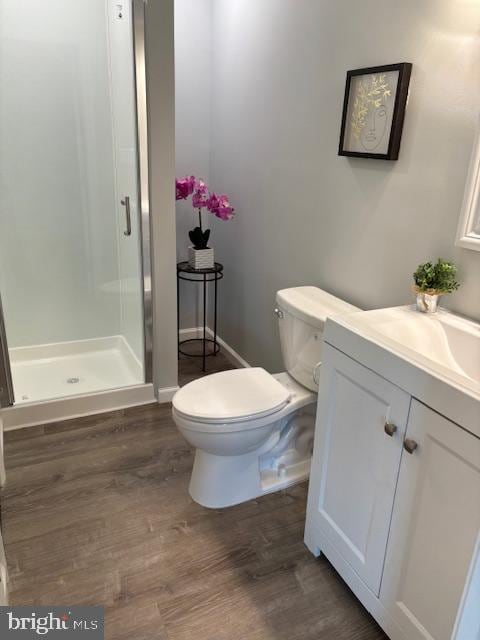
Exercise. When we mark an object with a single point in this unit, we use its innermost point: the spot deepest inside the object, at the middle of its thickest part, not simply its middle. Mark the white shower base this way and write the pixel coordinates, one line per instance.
(45, 372)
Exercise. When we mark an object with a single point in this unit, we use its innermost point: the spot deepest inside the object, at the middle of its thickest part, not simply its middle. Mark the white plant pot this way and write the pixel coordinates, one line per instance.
(426, 302)
(200, 258)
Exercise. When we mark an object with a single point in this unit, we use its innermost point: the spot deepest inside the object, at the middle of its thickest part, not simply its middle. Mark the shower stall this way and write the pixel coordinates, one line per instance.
(75, 315)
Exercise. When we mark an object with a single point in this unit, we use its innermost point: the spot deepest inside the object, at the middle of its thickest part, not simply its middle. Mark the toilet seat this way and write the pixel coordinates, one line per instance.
(231, 396)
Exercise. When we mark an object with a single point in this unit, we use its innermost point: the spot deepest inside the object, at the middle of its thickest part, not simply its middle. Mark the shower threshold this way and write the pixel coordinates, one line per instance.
(58, 370)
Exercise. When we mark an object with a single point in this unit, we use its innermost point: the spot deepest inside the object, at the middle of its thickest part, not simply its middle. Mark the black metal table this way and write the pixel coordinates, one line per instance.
(189, 274)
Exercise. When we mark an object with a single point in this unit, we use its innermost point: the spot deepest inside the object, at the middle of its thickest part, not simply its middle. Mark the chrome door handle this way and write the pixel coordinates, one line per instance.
(278, 313)
(316, 370)
(410, 445)
(390, 428)
(126, 203)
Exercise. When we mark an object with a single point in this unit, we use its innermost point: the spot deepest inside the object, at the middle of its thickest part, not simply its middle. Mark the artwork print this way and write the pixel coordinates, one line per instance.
(373, 112)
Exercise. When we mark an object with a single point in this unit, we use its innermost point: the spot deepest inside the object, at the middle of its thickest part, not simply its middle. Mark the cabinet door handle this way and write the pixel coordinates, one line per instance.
(390, 428)
(409, 445)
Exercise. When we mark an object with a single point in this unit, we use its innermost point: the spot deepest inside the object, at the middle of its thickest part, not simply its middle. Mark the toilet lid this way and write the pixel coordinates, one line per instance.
(231, 395)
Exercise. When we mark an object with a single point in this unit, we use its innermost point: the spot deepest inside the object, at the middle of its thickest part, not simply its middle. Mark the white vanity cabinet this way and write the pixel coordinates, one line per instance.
(355, 462)
(394, 503)
(435, 528)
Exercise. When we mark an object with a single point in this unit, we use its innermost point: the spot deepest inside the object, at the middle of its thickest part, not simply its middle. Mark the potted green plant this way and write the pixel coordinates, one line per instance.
(432, 281)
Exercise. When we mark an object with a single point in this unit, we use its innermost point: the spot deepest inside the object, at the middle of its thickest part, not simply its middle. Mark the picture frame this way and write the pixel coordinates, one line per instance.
(374, 111)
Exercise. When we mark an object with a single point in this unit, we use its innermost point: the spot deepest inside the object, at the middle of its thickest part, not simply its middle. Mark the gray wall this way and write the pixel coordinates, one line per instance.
(193, 93)
(354, 227)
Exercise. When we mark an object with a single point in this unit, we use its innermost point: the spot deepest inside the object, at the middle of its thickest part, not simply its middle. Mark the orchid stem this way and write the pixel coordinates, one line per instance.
(200, 218)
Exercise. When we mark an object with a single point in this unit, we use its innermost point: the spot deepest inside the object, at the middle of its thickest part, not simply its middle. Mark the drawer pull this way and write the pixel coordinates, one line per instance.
(409, 445)
(390, 428)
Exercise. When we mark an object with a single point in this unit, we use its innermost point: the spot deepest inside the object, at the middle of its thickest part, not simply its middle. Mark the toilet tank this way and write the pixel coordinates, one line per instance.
(302, 313)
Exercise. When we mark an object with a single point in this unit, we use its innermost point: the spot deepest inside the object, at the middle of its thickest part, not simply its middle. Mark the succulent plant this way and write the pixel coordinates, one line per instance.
(436, 278)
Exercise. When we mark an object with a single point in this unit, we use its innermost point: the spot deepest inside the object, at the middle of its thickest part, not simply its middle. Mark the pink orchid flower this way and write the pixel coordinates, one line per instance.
(184, 187)
(200, 195)
(220, 207)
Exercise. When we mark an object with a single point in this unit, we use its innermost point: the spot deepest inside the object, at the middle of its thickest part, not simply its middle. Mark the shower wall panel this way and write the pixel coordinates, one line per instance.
(59, 226)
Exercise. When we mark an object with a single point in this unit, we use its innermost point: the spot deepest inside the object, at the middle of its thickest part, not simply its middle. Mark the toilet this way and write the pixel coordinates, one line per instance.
(253, 431)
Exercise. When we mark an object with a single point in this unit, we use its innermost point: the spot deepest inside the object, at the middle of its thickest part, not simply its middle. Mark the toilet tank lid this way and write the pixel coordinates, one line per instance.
(312, 305)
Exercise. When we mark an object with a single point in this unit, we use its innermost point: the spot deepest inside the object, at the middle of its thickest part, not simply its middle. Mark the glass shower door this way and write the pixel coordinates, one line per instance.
(70, 223)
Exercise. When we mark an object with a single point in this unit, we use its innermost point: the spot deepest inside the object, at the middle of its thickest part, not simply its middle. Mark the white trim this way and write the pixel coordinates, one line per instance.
(318, 543)
(35, 413)
(467, 236)
(230, 353)
(166, 394)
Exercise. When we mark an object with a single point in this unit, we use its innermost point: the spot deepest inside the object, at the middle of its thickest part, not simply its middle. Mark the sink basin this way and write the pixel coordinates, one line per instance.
(443, 343)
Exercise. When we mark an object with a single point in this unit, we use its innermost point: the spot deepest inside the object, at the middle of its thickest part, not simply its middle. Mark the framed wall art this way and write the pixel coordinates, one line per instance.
(374, 111)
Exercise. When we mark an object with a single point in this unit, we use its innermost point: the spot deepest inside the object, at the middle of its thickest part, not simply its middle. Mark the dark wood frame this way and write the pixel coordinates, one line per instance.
(404, 71)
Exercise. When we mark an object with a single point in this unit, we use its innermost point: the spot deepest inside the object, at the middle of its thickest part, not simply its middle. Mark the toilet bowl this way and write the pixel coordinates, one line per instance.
(253, 431)
(248, 450)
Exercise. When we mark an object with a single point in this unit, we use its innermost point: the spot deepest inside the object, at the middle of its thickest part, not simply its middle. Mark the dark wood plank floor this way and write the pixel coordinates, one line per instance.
(191, 368)
(96, 511)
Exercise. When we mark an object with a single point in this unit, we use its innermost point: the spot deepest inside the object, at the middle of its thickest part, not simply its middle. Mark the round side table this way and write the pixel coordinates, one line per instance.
(203, 276)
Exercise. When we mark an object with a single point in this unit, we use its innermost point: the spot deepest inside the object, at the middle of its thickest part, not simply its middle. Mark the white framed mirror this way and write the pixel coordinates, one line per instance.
(468, 233)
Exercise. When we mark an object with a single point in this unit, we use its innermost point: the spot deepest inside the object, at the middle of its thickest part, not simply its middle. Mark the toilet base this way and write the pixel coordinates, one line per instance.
(224, 481)
(246, 483)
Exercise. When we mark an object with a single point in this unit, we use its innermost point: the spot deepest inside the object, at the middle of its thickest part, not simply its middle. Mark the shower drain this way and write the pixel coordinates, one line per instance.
(73, 380)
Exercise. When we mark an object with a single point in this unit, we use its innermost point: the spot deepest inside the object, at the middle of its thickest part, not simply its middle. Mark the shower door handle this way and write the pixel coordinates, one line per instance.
(126, 204)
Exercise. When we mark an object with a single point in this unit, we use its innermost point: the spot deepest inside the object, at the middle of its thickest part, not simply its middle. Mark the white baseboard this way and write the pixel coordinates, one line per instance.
(166, 394)
(35, 413)
(230, 353)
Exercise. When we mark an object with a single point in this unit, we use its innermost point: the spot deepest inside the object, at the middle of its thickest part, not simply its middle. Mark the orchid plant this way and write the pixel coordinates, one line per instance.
(202, 198)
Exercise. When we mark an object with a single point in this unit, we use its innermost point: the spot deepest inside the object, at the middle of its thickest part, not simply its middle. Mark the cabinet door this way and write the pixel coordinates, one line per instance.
(355, 462)
(435, 530)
